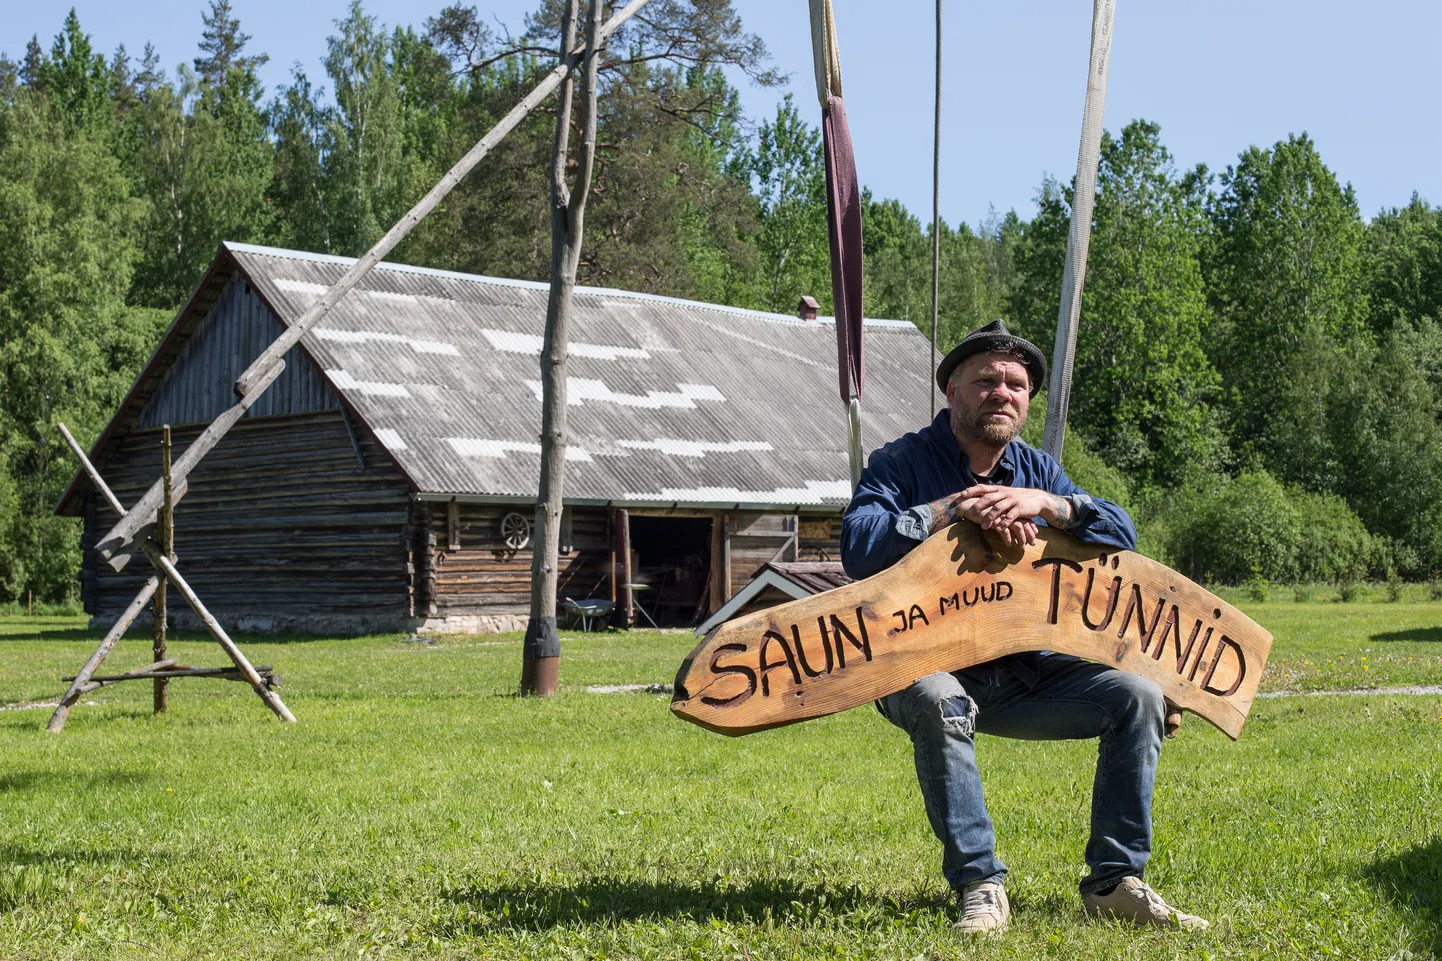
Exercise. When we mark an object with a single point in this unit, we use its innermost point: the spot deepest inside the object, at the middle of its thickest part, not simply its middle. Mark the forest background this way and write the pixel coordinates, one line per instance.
(1259, 368)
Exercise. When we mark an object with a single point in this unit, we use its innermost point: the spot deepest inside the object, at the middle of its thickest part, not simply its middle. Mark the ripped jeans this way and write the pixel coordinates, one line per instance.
(1071, 699)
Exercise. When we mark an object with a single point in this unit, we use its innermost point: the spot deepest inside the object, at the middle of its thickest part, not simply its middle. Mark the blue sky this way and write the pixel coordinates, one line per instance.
(1217, 75)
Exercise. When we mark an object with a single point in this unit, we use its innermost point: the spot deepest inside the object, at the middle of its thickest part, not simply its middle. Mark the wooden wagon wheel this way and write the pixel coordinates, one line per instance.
(515, 531)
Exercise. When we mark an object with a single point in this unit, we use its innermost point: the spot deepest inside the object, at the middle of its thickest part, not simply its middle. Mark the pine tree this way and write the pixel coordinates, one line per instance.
(30, 67)
(76, 78)
(200, 152)
(222, 43)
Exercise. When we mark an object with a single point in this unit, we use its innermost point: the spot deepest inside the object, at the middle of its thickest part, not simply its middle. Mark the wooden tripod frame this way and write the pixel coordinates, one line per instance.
(158, 546)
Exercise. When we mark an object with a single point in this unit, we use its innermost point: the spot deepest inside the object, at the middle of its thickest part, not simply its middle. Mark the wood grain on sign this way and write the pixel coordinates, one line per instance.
(961, 599)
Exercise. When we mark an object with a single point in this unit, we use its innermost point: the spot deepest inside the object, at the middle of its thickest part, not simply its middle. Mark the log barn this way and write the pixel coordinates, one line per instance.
(387, 480)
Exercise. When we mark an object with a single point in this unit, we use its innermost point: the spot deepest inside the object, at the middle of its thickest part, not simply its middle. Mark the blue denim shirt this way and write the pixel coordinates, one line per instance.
(888, 514)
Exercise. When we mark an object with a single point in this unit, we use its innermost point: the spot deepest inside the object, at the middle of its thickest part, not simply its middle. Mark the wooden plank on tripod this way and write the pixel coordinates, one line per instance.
(140, 672)
(151, 672)
(77, 686)
(959, 600)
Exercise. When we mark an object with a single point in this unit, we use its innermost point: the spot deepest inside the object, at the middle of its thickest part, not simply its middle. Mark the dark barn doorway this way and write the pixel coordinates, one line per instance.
(671, 557)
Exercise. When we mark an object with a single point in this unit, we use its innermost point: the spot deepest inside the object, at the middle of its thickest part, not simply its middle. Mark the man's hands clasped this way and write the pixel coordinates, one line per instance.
(1007, 510)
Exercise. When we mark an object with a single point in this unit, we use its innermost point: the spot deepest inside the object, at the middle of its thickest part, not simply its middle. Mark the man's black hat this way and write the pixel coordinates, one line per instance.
(994, 337)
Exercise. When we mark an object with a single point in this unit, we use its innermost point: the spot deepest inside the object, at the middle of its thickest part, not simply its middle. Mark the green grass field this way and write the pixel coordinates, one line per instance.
(419, 810)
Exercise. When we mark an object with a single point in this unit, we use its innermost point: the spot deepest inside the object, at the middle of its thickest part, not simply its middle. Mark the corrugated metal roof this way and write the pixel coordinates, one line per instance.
(670, 401)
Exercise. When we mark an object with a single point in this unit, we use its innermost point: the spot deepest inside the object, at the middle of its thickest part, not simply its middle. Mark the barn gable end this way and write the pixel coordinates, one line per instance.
(297, 521)
(198, 386)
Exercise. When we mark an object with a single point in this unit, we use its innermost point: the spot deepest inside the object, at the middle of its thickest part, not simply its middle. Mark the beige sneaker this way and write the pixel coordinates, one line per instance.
(984, 909)
(1133, 900)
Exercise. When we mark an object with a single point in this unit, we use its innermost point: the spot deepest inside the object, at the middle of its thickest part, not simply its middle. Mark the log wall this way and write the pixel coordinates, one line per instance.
(281, 530)
(755, 540)
(481, 584)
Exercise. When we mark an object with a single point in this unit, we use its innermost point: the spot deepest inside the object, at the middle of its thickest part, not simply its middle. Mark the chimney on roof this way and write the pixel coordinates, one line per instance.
(808, 308)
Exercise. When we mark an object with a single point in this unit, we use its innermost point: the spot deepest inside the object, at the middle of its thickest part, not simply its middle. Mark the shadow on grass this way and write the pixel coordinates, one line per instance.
(15, 781)
(1411, 634)
(53, 634)
(19, 856)
(536, 907)
(1413, 881)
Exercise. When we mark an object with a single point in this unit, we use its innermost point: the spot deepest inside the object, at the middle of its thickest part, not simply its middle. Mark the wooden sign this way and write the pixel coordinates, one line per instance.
(961, 599)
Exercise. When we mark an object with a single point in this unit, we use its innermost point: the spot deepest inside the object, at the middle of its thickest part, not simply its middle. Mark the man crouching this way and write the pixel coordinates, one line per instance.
(968, 463)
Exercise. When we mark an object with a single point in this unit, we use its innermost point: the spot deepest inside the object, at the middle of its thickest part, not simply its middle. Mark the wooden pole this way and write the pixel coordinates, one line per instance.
(212, 626)
(263, 371)
(725, 558)
(611, 532)
(166, 532)
(166, 567)
(935, 221)
(623, 541)
(718, 542)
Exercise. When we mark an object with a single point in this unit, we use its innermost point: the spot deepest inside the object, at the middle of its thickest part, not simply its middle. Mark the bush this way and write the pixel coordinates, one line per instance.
(1333, 542)
(1434, 589)
(1394, 587)
(1252, 527)
(1346, 591)
(1301, 593)
(1259, 589)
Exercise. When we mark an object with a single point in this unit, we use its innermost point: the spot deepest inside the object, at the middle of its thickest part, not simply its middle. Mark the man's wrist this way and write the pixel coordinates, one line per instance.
(945, 511)
(1064, 514)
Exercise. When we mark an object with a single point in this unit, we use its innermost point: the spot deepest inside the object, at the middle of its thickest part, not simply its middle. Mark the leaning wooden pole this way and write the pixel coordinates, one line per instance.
(1084, 191)
(542, 649)
(263, 371)
(79, 685)
(212, 626)
(132, 528)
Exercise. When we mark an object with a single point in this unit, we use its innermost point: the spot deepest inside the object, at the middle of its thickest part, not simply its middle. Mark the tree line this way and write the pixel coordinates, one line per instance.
(1258, 369)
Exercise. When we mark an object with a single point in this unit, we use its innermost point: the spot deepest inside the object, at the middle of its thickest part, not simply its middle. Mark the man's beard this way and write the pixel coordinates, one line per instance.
(970, 425)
